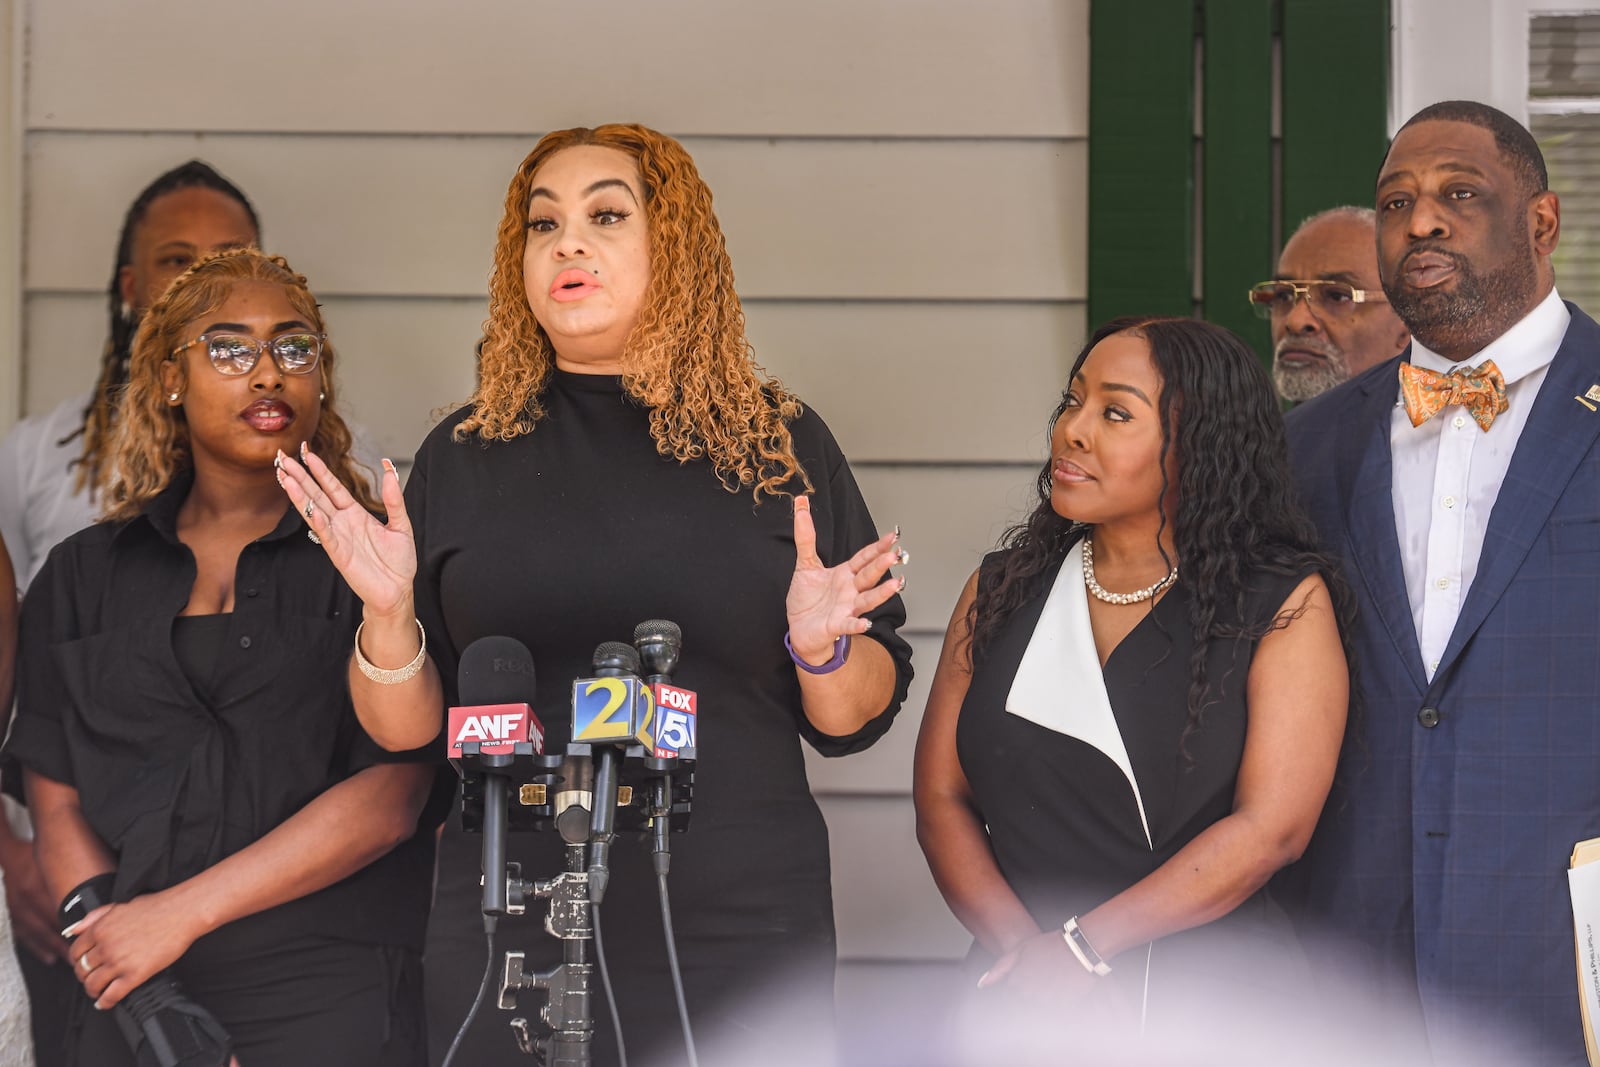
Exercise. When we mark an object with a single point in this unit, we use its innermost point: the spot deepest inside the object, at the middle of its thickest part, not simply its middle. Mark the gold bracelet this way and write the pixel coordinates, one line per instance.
(401, 674)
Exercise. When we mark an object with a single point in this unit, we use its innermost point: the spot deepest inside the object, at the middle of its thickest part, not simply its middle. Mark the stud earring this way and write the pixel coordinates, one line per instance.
(173, 397)
(127, 311)
(321, 397)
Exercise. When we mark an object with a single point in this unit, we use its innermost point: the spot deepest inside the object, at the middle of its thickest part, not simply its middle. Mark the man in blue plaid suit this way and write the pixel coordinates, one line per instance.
(1460, 484)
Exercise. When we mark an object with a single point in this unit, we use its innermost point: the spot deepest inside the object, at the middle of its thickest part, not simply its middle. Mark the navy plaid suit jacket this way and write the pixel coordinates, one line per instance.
(1443, 850)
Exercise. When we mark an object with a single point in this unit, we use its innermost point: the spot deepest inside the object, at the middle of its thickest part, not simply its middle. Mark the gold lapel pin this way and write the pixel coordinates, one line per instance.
(1592, 395)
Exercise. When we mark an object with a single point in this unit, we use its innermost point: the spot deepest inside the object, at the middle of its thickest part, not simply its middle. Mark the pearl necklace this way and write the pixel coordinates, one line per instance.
(1100, 592)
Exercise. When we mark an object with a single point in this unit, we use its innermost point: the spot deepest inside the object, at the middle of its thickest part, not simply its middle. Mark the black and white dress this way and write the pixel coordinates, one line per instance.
(1080, 772)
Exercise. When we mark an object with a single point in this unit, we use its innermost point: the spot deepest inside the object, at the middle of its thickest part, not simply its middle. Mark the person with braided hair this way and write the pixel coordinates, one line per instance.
(50, 465)
(624, 459)
(1141, 697)
(189, 746)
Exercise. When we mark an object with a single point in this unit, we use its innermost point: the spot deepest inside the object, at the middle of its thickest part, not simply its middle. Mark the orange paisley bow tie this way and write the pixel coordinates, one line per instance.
(1482, 391)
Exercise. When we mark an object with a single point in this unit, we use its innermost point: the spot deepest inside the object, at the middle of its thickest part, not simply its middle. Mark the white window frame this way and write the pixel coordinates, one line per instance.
(1465, 50)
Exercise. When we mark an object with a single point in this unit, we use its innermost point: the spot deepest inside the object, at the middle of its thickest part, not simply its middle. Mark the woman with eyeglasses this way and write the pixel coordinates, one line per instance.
(191, 755)
(1139, 704)
(623, 459)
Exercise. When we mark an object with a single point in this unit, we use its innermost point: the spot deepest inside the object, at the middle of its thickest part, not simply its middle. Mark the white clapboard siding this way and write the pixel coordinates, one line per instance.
(885, 768)
(888, 907)
(932, 381)
(949, 517)
(907, 381)
(1017, 68)
(812, 219)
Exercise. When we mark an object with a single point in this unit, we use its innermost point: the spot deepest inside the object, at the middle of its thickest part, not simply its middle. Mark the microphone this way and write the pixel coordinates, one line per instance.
(614, 708)
(495, 683)
(161, 1025)
(660, 645)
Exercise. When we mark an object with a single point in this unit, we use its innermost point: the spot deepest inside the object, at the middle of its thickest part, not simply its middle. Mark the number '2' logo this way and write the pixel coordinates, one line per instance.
(614, 695)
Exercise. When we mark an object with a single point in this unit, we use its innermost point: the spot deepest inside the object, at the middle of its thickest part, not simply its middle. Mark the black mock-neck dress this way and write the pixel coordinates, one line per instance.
(568, 537)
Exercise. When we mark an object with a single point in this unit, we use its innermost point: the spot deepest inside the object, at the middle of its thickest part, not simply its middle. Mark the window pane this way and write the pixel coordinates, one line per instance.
(1564, 56)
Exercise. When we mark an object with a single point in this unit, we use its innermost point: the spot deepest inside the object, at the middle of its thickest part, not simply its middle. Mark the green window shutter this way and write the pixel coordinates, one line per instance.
(1145, 236)
(1237, 186)
(1141, 158)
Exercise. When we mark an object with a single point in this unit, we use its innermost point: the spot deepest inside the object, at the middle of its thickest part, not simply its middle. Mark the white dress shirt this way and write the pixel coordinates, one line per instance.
(1447, 473)
(40, 505)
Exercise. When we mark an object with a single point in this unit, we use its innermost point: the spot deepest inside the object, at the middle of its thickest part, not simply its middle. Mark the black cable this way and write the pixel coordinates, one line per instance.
(489, 923)
(605, 983)
(672, 965)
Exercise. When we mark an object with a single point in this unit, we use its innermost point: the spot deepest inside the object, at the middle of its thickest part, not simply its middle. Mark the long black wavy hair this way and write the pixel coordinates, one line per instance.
(1237, 513)
(100, 415)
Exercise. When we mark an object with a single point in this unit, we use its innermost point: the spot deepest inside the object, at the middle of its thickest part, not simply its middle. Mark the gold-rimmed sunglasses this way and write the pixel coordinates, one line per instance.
(236, 353)
(1324, 298)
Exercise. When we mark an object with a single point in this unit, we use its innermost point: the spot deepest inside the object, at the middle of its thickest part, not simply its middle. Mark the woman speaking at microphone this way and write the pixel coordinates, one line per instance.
(190, 749)
(622, 459)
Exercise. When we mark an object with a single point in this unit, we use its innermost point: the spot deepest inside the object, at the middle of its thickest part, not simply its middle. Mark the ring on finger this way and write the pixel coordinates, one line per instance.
(83, 961)
(310, 509)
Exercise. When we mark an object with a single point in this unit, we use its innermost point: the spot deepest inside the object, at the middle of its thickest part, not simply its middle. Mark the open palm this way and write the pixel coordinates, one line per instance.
(377, 559)
(825, 603)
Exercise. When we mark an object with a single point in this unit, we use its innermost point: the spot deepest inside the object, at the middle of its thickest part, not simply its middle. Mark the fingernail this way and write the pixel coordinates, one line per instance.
(897, 531)
(388, 465)
(303, 448)
(902, 583)
(983, 979)
(71, 931)
(902, 556)
(277, 461)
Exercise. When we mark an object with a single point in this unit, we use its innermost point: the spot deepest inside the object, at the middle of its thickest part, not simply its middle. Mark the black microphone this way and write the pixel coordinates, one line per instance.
(613, 659)
(161, 1025)
(495, 684)
(659, 643)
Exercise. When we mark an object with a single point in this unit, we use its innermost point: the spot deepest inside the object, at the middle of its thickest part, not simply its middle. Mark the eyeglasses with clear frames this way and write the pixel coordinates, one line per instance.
(1324, 298)
(236, 353)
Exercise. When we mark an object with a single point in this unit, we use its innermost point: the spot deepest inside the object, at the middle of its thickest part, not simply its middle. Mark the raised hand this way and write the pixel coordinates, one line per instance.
(378, 560)
(825, 603)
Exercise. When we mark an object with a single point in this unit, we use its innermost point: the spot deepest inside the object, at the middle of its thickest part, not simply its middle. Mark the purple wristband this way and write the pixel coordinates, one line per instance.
(841, 652)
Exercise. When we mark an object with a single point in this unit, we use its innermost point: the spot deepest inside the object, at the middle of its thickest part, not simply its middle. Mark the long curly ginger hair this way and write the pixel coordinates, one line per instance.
(687, 360)
(151, 444)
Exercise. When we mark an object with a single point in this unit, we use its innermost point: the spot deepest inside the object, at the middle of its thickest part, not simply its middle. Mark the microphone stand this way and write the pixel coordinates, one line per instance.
(569, 1013)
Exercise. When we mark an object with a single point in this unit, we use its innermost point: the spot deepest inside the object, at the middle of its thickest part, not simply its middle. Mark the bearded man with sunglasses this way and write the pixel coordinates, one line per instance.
(1330, 320)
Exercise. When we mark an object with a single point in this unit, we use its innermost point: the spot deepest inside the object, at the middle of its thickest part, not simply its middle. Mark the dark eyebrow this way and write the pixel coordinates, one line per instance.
(1116, 387)
(239, 327)
(1452, 166)
(603, 183)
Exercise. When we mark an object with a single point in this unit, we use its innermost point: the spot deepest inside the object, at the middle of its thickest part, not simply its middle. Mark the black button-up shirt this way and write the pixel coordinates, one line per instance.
(173, 780)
